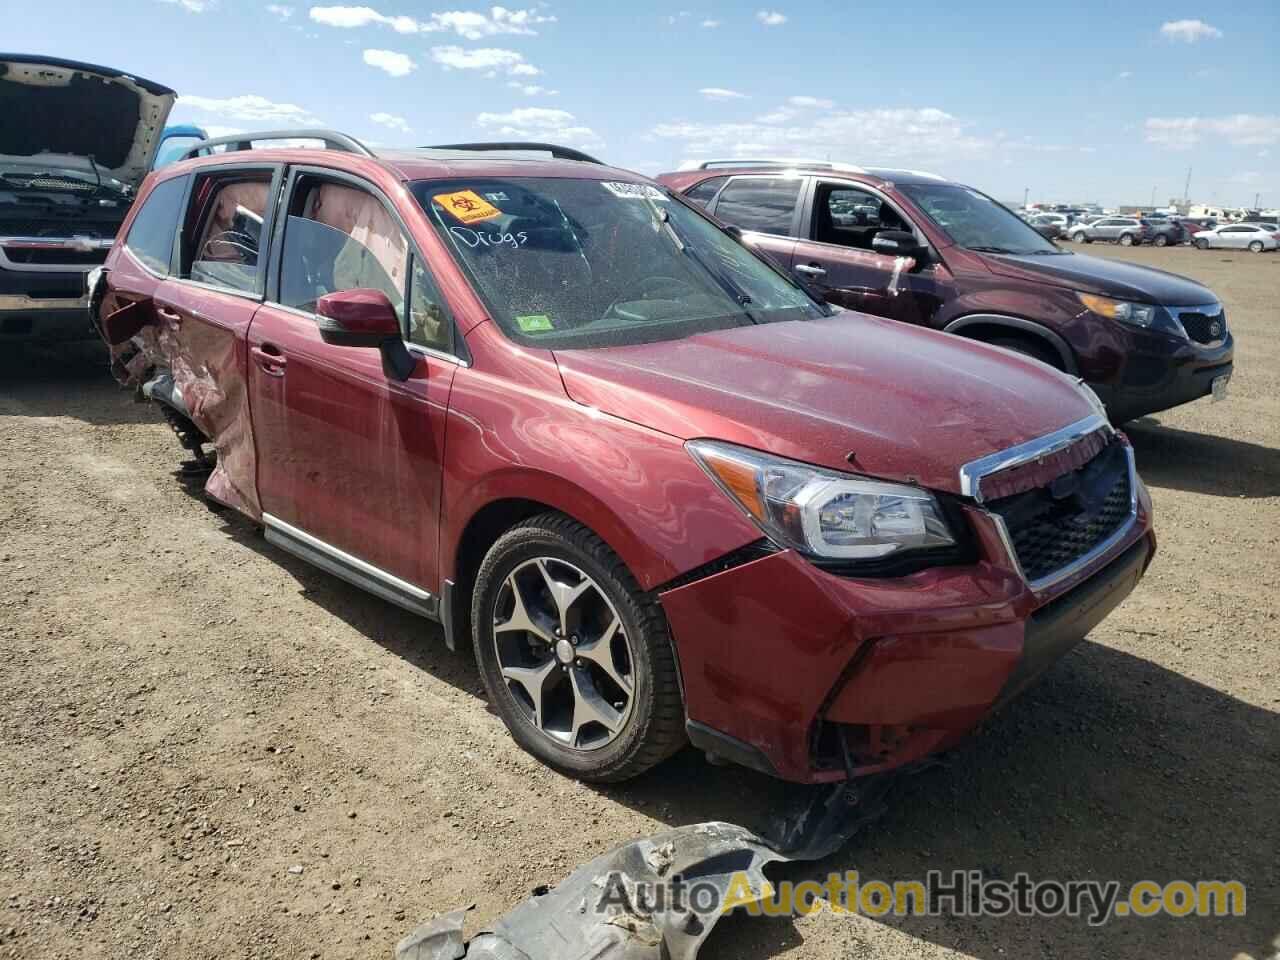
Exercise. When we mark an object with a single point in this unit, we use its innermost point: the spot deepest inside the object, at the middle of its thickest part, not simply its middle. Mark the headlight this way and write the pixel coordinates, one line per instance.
(1137, 314)
(1095, 401)
(822, 512)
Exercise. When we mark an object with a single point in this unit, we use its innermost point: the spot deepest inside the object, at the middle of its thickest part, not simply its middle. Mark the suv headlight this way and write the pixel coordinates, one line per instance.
(1136, 314)
(822, 512)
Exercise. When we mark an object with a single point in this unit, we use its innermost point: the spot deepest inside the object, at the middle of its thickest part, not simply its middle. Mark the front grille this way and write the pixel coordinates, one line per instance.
(1204, 327)
(55, 256)
(1054, 526)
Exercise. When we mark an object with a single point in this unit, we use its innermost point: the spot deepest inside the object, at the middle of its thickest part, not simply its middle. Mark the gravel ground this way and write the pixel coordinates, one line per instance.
(212, 750)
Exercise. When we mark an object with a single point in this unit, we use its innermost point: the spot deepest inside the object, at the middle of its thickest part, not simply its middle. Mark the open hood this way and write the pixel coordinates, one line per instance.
(59, 109)
(852, 392)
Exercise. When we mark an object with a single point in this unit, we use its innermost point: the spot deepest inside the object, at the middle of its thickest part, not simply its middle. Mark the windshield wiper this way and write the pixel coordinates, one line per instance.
(987, 249)
(663, 219)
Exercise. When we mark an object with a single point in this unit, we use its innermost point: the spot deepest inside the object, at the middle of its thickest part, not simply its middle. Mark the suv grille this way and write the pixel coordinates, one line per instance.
(1203, 327)
(1056, 525)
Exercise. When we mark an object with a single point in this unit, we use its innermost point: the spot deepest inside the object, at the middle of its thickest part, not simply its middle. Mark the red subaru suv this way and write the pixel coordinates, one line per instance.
(663, 492)
(912, 246)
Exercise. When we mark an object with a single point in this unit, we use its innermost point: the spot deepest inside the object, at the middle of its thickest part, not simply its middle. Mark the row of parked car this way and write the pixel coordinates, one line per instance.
(809, 464)
(1203, 233)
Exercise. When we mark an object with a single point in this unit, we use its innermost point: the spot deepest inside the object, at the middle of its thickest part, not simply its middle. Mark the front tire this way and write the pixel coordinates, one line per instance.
(1202, 244)
(1080, 237)
(1161, 240)
(1255, 246)
(576, 658)
(1029, 348)
(1126, 239)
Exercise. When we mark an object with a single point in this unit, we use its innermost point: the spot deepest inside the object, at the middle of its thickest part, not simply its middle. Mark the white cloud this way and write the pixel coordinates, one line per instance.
(1189, 31)
(1241, 130)
(709, 24)
(806, 103)
(465, 23)
(1263, 154)
(391, 122)
(771, 18)
(476, 26)
(781, 115)
(395, 64)
(868, 136)
(720, 93)
(540, 123)
(532, 89)
(251, 108)
(1124, 75)
(193, 6)
(484, 58)
(350, 17)
(280, 10)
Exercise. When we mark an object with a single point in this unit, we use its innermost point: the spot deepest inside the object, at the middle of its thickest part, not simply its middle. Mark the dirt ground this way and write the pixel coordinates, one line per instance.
(213, 750)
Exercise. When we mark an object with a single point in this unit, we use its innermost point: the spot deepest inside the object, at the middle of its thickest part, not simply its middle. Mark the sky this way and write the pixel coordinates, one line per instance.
(1086, 101)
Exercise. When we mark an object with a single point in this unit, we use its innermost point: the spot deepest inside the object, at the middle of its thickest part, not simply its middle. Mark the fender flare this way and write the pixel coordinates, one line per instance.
(1060, 346)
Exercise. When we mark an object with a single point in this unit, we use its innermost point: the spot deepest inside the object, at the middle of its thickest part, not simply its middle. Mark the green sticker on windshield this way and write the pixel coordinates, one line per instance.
(534, 322)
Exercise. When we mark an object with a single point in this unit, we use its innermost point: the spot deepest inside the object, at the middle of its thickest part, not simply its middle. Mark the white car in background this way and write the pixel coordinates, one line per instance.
(1239, 236)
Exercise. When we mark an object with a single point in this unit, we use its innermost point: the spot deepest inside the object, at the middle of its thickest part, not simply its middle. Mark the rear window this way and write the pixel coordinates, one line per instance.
(151, 236)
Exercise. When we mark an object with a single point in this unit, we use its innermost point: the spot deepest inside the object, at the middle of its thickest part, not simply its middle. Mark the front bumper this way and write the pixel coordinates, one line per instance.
(809, 676)
(1156, 371)
(44, 306)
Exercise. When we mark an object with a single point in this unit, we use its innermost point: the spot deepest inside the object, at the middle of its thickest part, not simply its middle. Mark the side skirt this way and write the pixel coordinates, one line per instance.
(352, 569)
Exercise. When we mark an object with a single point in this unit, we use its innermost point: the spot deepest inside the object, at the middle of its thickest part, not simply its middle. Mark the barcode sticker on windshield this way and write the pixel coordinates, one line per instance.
(633, 191)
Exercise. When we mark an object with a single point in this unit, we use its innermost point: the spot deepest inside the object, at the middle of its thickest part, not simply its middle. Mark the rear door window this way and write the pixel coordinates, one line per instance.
(223, 235)
(763, 204)
(153, 230)
(706, 191)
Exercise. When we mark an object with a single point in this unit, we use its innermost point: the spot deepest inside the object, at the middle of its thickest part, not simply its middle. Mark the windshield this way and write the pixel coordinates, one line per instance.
(582, 263)
(975, 221)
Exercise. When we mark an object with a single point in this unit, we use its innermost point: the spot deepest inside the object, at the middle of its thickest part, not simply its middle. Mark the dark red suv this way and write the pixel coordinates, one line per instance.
(662, 491)
(915, 247)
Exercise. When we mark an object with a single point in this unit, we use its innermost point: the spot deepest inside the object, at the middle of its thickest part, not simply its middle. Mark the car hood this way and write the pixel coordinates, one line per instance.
(63, 107)
(850, 392)
(1107, 278)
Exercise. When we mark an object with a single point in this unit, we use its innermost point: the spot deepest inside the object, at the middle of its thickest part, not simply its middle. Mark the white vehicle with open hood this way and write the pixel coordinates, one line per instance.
(76, 141)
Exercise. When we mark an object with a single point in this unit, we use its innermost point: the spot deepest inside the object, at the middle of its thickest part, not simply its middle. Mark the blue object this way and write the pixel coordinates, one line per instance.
(177, 140)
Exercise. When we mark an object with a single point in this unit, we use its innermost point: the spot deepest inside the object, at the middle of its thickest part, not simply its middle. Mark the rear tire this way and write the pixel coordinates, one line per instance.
(1080, 237)
(1202, 244)
(625, 678)
(1126, 239)
(1029, 347)
(1161, 240)
(1255, 246)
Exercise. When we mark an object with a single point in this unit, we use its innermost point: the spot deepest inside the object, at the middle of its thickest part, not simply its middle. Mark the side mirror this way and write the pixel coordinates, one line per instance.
(364, 317)
(896, 243)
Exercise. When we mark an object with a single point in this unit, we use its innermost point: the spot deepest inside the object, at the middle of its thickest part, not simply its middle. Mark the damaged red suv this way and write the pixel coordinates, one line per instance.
(664, 493)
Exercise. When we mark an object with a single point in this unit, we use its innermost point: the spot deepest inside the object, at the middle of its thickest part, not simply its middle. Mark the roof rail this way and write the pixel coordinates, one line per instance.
(332, 139)
(778, 162)
(556, 151)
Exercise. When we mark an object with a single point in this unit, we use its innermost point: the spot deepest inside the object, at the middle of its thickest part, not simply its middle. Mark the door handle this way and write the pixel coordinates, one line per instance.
(810, 270)
(270, 358)
(164, 313)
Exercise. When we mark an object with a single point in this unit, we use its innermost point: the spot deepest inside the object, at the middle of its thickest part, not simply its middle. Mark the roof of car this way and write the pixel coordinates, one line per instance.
(746, 168)
(424, 163)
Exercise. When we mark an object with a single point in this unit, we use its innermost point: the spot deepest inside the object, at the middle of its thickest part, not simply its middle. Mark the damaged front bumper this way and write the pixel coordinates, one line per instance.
(815, 677)
(656, 898)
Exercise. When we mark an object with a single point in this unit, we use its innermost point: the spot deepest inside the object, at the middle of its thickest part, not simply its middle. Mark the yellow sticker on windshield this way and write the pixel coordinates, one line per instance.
(467, 206)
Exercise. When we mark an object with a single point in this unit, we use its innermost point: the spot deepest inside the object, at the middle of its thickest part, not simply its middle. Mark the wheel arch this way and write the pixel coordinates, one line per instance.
(974, 325)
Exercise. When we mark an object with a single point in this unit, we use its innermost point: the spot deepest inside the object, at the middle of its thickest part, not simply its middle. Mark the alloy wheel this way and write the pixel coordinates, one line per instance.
(563, 653)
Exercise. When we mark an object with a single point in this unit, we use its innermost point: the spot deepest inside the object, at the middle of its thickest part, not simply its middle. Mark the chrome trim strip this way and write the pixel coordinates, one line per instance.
(352, 569)
(23, 302)
(971, 473)
(1075, 566)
